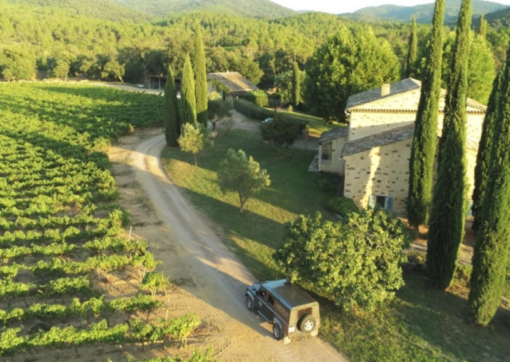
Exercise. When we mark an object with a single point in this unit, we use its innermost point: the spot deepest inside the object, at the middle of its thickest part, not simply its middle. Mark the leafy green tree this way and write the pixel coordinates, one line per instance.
(483, 159)
(16, 63)
(61, 69)
(482, 30)
(481, 68)
(194, 138)
(188, 100)
(219, 110)
(200, 78)
(354, 263)
(113, 70)
(448, 214)
(412, 53)
(281, 131)
(347, 63)
(296, 85)
(423, 151)
(492, 243)
(283, 81)
(171, 111)
(243, 175)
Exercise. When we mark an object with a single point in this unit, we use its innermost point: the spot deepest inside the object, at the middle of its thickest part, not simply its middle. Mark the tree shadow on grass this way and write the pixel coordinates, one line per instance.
(292, 189)
(442, 320)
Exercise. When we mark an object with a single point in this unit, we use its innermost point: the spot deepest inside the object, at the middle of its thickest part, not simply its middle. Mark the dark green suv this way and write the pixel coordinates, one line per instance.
(291, 311)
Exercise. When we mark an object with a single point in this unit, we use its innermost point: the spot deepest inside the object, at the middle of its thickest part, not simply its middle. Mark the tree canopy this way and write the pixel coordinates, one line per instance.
(349, 62)
(356, 264)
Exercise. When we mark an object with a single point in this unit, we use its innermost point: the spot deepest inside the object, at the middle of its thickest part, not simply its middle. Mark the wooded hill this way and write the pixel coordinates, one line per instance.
(423, 13)
(257, 9)
(97, 9)
(149, 10)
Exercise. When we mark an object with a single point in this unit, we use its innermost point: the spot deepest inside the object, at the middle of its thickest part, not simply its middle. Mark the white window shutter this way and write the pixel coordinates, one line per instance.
(372, 202)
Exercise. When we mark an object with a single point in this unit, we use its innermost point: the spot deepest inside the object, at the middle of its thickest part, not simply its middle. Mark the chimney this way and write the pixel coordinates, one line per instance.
(385, 90)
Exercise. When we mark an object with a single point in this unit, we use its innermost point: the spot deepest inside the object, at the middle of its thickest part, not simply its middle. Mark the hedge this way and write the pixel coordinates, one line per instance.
(260, 98)
(251, 110)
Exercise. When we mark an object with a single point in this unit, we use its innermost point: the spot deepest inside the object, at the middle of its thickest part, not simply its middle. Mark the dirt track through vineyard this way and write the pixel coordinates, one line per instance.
(211, 279)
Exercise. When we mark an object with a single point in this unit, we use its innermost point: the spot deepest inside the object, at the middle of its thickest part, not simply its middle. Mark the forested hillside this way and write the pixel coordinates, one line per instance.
(499, 19)
(423, 13)
(70, 44)
(250, 8)
(98, 9)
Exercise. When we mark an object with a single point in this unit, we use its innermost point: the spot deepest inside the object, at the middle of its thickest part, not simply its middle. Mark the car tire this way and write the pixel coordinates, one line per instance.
(277, 332)
(249, 303)
(307, 323)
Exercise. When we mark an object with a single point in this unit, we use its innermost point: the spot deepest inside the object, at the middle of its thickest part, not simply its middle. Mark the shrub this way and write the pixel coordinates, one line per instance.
(356, 263)
(342, 206)
(260, 98)
(251, 110)
(281, 131)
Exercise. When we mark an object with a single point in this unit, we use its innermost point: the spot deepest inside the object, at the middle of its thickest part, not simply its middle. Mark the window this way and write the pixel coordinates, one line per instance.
(270, 299)
(327, 151)
(383, 202)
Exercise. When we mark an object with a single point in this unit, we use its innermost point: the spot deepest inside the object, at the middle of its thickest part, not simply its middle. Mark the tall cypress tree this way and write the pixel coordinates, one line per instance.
(296, 85)
(485, 151)
(448, 214)
(171, 111)
(200, 78)
(482, 30)
(493, 239)
(425, 133)
(412, 53)
(189, 104)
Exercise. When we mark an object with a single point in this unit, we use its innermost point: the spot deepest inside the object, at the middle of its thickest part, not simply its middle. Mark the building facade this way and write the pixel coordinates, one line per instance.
(376, 153)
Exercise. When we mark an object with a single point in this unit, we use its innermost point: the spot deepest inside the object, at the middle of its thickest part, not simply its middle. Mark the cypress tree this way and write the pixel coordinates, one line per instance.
(482, 30)
(200, 78)
(296, 85)
(425, 134)
(484, 152)
(412, 54)
(189, 104)
(492, 243)
(448, 214)
(171, 111)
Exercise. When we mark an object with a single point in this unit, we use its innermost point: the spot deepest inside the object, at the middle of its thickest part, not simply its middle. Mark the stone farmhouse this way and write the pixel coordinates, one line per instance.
(373, 152)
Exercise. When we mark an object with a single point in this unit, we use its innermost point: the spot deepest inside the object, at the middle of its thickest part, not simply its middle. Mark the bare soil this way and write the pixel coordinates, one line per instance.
(208, 279)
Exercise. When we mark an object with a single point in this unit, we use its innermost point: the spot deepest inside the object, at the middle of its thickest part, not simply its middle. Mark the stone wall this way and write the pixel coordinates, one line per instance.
(336, 164)
(384, 171)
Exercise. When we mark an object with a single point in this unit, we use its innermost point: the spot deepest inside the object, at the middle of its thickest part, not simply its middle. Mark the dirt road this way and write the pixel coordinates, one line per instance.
(211, 279)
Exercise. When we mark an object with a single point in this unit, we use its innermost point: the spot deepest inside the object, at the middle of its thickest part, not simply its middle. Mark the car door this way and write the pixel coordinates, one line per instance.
(265, 303)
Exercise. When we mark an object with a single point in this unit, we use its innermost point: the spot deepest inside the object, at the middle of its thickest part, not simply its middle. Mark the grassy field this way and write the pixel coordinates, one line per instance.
(256, 233)
(420, 325)
(316, 125)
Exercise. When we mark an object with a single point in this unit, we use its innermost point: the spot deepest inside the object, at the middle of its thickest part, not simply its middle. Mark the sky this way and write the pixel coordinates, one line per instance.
(348, 6)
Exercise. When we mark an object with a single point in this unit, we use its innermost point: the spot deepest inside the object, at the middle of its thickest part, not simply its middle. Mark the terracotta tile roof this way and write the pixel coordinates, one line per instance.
(380, 139)
(334, 134)
(234, 81)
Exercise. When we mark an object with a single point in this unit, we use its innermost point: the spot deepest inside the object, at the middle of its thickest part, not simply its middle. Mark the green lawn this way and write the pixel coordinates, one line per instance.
(420, 325)
(316, 125)
(256, 233)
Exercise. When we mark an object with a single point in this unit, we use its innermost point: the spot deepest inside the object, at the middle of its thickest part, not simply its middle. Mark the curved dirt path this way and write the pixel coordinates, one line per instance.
(212, 281)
